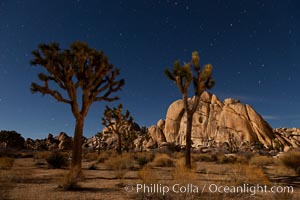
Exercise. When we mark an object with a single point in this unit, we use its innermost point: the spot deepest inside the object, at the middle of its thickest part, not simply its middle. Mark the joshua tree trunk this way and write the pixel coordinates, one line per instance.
(188, 140)
(77, 150)
(119, 150)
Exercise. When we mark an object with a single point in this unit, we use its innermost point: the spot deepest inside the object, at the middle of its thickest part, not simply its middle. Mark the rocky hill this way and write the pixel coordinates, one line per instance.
(215, 124)
(228, 124)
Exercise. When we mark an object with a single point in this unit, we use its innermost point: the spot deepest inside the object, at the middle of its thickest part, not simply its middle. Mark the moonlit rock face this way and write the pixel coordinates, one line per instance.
(217, 122)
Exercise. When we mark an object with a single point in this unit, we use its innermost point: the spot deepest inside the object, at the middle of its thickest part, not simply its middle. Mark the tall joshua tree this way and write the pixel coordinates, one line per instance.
(118, 123)
(183, 76)
(78, 76)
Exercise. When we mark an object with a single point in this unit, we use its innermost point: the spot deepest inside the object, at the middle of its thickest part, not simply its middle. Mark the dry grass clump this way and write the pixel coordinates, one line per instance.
(120, 164)
(41, 155)
(261, 161)
(102, 157)
(239, 174)
(178, 155)
(91, 156)
(147, 175)
(7, 183)
(6, 163)
(69, 182)
(241, 158)
(224, 159)
(144, 158)
(182, 174)
(4, 189)
(163, 160)
(124, 161)
(203, 158)
(291, 160)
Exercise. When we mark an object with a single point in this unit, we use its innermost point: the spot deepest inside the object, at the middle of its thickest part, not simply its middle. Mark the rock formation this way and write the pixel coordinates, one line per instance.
(218, 123)
(59, 142)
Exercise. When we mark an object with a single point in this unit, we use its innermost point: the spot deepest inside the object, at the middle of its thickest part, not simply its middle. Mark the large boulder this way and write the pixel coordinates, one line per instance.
(216, 123)
(156, 132)
(65, 141)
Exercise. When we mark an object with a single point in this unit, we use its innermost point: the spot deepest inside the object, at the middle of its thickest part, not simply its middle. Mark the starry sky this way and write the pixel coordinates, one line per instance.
(253, 46)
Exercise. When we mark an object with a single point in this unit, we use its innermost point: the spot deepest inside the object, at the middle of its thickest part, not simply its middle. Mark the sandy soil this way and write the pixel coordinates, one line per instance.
(32, 182)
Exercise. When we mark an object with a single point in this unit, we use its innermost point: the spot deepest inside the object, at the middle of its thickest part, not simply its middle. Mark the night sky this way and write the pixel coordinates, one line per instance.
(253, 46)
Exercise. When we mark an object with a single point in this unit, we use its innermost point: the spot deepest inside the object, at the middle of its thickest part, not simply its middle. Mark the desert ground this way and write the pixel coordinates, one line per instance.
(110, 176)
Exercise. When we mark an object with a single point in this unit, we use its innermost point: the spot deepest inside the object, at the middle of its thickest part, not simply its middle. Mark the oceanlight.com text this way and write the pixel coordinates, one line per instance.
(210, 188)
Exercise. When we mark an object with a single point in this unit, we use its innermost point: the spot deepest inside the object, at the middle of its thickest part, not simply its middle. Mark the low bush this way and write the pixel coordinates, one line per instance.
(41, 155)
(103, 156)
(147, 175)
(92, 167)
(6, 163)
(69, 183)
(57, 160)
(239, 174)
(143, 158)
(120, 164)
(183, 175)
(91, 156)
(203, 158)
(291, 160)
(261, 161)
(163, 160)
(124, 161)
(223, 159)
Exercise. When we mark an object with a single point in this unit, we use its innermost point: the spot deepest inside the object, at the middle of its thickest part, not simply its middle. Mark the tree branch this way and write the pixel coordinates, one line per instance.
(45, 90)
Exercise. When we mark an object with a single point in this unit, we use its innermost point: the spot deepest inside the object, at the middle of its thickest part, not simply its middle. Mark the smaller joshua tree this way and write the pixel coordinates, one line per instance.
(183, 76)
(120, 124)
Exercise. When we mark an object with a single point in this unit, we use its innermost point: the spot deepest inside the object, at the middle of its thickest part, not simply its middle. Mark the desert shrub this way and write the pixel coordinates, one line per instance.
(12, 139)
(241, 159)
(147, 175)
(7, 183)
(223, 159)
(91, 156)
(8, 152)
(203, 158)
(41, 155)
(27, 155)
(120, 164)
(173, 147)
(124, 161)
(143, 158)
(291, 160)
(6, 163)
(246, 154)
(142, 161)
(261, 161)
(178, 155)
(92, 167)
(239, 174)
(57, 160)
(69, 183)
(183, 175)
(163, 160)
(102, 157)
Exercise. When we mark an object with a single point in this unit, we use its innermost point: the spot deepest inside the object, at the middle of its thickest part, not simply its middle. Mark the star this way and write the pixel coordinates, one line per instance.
(259, 82)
